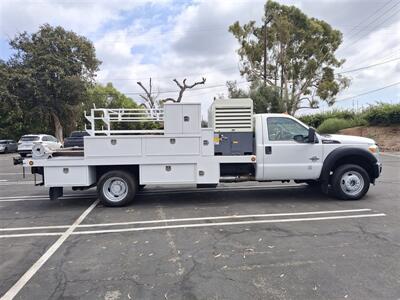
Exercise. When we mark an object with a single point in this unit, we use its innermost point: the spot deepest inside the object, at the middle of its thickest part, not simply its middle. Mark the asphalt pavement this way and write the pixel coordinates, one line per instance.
(238, 241)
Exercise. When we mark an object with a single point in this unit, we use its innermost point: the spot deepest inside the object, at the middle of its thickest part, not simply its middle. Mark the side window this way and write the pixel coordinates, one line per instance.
(284, 129)
(45, 138)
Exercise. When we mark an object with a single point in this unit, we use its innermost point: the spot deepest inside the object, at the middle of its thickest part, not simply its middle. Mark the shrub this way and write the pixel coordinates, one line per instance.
(333, 125)
(382, 114)
(316, 120)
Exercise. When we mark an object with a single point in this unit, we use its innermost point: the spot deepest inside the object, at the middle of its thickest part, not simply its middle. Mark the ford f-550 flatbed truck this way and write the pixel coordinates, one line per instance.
(239, 145)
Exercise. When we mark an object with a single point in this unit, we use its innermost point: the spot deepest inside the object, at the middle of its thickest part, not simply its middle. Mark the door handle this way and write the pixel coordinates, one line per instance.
(268, 150)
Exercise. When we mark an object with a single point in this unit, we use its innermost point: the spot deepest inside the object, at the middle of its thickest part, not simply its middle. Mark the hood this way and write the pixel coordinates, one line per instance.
(347, 139)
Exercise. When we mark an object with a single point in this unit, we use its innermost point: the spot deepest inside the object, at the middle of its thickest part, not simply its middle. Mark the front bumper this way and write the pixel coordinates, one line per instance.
(376, 171)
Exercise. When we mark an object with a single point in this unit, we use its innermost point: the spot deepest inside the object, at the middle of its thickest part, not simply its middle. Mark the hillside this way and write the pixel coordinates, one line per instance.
(387, 137)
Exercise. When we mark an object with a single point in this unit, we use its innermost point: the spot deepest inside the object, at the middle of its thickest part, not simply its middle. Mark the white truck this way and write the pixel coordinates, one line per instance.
(119, 162)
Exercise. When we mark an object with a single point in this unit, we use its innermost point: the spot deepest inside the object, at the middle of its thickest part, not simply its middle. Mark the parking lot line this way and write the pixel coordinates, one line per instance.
(227, 224)
(191, 219)
(196, 225)
(14, 290)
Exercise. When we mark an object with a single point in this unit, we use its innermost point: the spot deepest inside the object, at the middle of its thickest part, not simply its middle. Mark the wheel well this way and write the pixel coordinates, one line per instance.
(354, 160)
(132, 169)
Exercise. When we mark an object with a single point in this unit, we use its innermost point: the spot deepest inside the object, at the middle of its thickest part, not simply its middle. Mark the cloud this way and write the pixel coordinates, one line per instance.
(176, 39)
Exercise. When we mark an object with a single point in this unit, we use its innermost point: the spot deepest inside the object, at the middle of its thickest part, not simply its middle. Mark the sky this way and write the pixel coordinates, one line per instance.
(166, 39)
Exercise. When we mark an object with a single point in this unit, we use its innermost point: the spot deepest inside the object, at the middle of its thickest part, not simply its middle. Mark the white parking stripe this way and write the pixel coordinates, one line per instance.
(199, 225)
(391, 155)
(18, 200)
(192, 219)
(46, 196)
(14, 290)
(227, 224)
(4, 174)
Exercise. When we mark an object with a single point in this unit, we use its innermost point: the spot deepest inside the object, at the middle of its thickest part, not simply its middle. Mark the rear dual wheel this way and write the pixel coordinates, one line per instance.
(117, 188)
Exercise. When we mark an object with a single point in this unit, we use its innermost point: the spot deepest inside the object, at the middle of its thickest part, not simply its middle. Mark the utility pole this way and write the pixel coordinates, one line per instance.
(267, 20)
(265, 52)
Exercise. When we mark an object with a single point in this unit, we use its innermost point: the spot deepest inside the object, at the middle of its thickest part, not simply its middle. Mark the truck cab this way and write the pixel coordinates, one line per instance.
(288, 149)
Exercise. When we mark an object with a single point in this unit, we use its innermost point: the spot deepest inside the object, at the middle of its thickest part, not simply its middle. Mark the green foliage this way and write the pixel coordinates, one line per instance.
(383, 114)
(300, 58)
(329, 122)
(234, 91)
(48, 77)
(265, 98)
(315, 120)
(333, 125)
(108, 96)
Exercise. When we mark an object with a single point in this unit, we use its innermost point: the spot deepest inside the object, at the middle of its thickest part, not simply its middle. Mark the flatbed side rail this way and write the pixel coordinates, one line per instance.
(104, 121)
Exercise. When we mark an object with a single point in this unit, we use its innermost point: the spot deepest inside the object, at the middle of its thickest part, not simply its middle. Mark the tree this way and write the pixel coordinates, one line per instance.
(266, 99)
(56, 67)
(183, 87)
(234, 91)
(294, 54)
(150, 99)
(107, 96)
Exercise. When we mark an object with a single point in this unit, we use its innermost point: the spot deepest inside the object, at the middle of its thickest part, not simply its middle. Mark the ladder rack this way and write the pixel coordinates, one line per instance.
(105, 118)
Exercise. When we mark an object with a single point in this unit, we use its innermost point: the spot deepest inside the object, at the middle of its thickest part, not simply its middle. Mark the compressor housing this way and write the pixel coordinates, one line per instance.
(232, 120)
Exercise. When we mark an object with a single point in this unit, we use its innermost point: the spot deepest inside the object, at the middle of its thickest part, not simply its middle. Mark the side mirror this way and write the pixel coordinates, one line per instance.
(299, 138)
(311, 136)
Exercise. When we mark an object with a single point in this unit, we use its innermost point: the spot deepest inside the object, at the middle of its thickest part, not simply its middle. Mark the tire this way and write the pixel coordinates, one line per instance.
(5, 150)
(117, 188)
(350, 182)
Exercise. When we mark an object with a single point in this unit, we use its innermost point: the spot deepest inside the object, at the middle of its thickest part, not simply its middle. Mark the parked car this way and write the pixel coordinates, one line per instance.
(26, 143)
(7, 146)
(75, 139)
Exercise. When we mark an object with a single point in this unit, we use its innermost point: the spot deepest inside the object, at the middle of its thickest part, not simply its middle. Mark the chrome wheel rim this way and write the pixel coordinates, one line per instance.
(352, 183)
(115, 189)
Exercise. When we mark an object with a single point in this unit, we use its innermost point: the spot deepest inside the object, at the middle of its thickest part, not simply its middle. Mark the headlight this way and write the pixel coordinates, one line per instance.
(373, 149)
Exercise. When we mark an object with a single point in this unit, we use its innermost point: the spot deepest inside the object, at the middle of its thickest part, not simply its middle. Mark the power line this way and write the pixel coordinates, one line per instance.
(366, 19)
(242, 82)
(370, 66)
(369, 92)
(231, 68)
(372, 22)
(189, 90)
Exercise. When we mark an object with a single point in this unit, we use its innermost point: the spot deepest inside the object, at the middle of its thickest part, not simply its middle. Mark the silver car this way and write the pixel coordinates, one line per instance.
(7, 146)
(26, 143)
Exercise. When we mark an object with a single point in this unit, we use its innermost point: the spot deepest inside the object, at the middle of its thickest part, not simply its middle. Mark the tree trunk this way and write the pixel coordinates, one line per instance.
(58, 130)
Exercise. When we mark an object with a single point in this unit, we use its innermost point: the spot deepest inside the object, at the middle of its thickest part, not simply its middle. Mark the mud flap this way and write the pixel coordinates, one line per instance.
(55, 193)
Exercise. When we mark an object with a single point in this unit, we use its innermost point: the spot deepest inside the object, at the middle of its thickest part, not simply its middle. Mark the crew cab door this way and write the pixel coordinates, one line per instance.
(283, 156)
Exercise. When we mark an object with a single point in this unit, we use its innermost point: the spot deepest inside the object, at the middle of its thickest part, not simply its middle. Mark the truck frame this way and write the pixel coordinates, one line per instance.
(121, 159)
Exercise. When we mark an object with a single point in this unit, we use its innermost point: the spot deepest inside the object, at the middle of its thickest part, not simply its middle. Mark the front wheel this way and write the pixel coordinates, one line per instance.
(117, 188)
(350, 182)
